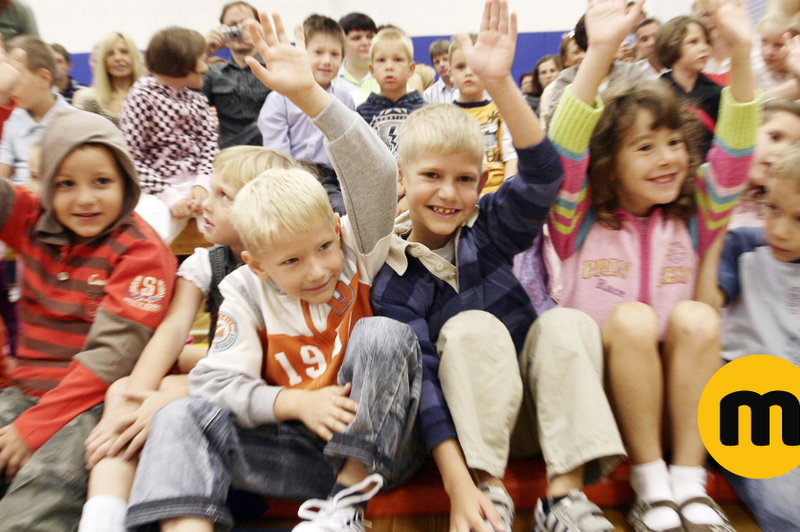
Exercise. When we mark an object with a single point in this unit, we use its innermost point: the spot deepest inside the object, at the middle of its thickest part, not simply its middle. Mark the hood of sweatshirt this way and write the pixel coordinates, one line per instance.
(68, 129)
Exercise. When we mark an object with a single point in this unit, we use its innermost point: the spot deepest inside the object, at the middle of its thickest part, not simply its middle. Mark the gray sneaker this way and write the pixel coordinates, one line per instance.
(573, 513)
(502, 503)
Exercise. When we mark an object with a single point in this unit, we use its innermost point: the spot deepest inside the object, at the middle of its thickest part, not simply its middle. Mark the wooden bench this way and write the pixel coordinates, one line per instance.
(189, 239)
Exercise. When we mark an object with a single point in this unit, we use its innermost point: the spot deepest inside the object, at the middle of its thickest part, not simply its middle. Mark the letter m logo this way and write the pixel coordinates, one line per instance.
(759, 415)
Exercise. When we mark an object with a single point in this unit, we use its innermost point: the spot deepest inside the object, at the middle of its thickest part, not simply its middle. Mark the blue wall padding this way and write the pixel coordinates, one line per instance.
(530, 47)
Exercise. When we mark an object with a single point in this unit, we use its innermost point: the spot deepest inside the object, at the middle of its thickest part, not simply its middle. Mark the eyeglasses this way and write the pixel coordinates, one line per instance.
(568, 35)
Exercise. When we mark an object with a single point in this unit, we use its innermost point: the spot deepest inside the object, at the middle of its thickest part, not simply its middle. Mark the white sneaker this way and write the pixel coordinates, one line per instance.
(502, 503)
(573, 513)
(338, 514)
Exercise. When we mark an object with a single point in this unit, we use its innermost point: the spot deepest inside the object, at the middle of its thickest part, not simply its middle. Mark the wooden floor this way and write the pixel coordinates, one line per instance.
(741, 519)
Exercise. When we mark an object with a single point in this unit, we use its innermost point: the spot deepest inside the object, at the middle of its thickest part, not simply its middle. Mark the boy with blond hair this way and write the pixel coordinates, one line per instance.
(500, 158)
(448, 275)
(759, 286)
(391, 64)
(131, 402)
(303, 393)
(284, 126)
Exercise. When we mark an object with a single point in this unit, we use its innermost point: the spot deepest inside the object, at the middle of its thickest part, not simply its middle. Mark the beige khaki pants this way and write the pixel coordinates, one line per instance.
(556, 387)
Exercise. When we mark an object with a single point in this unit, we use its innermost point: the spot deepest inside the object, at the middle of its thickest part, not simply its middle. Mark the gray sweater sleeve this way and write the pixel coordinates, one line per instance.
(366, 170)
(230, 376)
(251, 401)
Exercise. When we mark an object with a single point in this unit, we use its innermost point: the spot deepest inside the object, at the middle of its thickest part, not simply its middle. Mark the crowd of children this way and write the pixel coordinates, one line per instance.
(384, 269)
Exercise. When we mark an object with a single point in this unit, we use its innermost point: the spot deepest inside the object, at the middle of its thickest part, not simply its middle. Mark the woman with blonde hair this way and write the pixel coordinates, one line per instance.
(117, 66)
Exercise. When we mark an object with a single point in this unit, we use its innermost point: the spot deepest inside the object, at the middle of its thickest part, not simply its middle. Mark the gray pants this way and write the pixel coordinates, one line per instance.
(196, 451)
(48, 493)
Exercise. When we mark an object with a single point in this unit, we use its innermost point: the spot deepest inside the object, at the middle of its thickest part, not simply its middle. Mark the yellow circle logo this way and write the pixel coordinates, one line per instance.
(749, 416)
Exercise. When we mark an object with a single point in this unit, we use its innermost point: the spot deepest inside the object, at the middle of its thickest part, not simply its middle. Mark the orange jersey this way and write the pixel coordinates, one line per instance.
(287, 341)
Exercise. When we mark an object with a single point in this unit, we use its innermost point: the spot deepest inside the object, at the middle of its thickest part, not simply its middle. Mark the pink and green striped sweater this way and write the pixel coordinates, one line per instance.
(652, 260)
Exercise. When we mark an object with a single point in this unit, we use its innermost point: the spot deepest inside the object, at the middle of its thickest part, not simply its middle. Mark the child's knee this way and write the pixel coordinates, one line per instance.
(694, 322)
(377, 332)
(631, 322)
(475, 334)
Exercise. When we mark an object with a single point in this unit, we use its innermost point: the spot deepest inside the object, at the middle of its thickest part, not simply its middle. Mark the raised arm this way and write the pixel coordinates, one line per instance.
(288, 69)
(364, 165)
(736, 33)
(721, 181)
(490, 58)
(607, 25)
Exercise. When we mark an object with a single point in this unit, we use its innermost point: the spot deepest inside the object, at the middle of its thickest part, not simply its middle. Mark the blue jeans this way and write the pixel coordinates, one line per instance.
(774, 501)
(195, 451)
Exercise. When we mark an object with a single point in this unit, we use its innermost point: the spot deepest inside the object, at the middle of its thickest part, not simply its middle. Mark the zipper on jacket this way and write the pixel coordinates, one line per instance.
(644, 239)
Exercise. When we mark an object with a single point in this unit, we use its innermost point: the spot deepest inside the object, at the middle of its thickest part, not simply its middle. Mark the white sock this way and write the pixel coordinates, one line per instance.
(651, 482)
(103, 513)
(689, 482)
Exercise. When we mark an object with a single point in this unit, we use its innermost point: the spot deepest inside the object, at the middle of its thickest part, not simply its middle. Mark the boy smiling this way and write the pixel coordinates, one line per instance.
(97, 279)
(448, 275)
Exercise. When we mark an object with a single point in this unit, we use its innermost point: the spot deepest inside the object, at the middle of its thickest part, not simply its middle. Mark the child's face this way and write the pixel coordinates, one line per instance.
(441, 191)
(391, 67)
(780, 131)
(782, 219)
(442, 65)
(646, 40)
(325, 53)
(526, 85)
(30, 86)
(118, 60)
(217, 227)
(304, 265)
(357, 44)
(194, 79)
(470, 87)
(88, 191)
(548, 72)
(773, 48)
(574, 55)
(650, 167)
(62, 66)
(695, 50)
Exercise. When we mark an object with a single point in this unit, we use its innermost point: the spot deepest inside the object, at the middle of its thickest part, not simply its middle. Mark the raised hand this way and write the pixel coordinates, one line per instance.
(9, 74)
(608, 23)
(490, 58)
(733, 25)
(288, 69)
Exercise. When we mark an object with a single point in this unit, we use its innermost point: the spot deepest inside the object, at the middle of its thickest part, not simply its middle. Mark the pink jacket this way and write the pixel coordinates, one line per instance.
(652, 260)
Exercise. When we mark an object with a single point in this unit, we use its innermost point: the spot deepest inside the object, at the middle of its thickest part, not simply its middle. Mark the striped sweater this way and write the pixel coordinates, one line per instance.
(88, 306)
